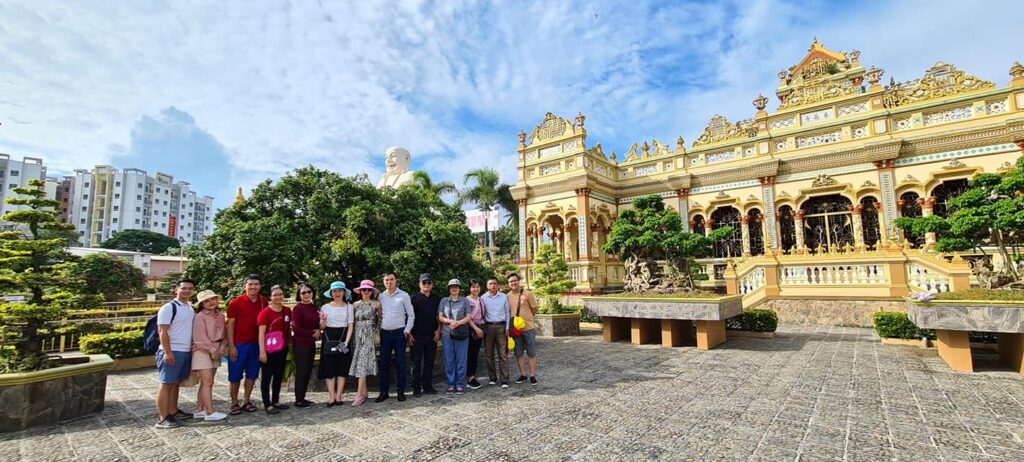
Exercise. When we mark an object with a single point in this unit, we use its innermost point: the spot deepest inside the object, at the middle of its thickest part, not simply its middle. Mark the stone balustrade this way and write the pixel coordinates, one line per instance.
(923, 278)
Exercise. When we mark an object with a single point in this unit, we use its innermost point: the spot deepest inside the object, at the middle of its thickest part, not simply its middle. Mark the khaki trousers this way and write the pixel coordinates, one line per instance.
(496, 343)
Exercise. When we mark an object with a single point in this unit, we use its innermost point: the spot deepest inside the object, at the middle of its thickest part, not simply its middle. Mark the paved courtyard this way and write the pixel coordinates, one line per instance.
(814, 393)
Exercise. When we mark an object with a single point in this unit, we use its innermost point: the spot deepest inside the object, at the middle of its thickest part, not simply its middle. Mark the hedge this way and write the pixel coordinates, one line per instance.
(96, 314)
(754, 320)
(896, 324)
(117, 345)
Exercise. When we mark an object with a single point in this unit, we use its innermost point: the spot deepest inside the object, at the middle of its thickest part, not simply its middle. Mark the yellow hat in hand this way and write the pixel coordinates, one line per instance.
(511, 343)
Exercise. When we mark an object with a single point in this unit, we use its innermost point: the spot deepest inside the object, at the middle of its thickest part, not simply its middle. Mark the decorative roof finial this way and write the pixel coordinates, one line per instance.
(646, 147)
(522, 138)
(760, 102)
(580, 118)
(239, 199)
(874, 75)
(1017, 72)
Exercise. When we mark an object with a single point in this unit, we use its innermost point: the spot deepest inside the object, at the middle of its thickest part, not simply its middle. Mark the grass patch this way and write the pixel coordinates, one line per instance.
(652, 295)
(983, 294)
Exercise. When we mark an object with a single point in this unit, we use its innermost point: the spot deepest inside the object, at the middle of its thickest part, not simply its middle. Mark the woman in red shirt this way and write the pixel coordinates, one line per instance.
(306, 331)
(275, 333)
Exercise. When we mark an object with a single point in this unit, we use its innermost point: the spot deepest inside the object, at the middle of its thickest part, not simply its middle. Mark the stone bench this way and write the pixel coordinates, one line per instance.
(677, 321)
(953, 320)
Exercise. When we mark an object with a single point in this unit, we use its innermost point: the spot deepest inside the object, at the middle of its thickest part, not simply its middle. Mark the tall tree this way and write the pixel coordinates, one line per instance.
(484, 189)
(102, 274)
(141, 240)
(30, 262)
(316, 226)
(440, 189)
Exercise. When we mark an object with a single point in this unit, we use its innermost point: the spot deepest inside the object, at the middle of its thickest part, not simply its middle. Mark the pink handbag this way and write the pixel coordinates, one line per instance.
(274, 341)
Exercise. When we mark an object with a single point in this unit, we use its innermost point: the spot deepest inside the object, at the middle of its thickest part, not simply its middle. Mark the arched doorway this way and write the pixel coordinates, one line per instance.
(909, 208)
(827, 222)
(869, 221)
(731, 246)
(787, 228)
(755, 230)
(949, 189)
(698, 224)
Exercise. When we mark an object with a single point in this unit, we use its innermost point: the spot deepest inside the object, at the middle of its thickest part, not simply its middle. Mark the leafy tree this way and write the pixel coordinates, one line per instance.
(487, 192)
(102, 274)
(140, 240)
(316, 226)
(440, 189)
(989, 212)
(650, 232)
(30, 262)
(506, 239)
(551, 279)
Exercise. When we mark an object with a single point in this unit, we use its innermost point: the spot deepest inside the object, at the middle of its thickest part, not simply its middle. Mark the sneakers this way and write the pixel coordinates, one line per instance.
(521, 379)
(492, 382)
(216, 416)
(168, 422)
(199, 415)
(450, 391)
(504, 384)
(533, 380)
(474, 385)
(459, 391)
(182, 415)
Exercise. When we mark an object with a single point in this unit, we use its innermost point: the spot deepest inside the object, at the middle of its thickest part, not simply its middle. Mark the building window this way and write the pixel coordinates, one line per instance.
(165, 202)
(731, 246)
(138, 209)
(85, 208)
(140, 185)
(157, 189)
(12, 186)
(165, 214)
(138, 197)
(911, 209)
(755, 232)
(136, 221)
(787, 228)
(115, 208)
(942, 193)
(83, 221)
(698, 224)
(869, 220)
(86, 184)
(117, 196)
(14, 173)
(117, 184)
(828, 222)
(114, 220)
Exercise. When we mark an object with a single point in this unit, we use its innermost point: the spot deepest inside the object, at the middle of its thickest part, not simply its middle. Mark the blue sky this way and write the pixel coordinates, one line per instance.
(226, 94)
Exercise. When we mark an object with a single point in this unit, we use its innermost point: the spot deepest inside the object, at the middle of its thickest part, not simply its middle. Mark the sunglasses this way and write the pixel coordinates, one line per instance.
(304, 292)
(365, 290)
(427, 283)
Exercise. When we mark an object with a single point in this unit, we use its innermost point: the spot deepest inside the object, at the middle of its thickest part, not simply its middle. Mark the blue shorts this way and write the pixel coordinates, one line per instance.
(181, 369)
(248, 362)
(527, 342)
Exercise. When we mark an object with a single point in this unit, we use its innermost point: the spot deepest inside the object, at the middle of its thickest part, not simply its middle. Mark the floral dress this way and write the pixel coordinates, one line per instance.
(364, 362)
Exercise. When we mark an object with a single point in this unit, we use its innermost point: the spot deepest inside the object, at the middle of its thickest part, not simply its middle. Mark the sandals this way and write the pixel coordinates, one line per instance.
(235, 409)
(249, 407)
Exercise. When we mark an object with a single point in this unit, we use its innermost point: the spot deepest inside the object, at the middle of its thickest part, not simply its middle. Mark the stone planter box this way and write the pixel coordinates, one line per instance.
(749, 334)
(952, 320)
(138, 362)
(641, 319)
(50, 396)
(918, 343)
(557, 325)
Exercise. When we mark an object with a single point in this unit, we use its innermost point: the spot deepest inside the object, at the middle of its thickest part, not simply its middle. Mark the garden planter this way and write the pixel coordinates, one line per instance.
(47, 397)
(749, 334)
(644, 320)
(557, 325)
(952, 320)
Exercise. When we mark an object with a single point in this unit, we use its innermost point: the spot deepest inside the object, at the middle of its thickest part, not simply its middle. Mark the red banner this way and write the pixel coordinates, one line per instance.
(172, 226)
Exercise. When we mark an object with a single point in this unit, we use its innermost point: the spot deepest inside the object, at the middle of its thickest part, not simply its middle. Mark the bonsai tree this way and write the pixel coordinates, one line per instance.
(551, 279)
(650, 232)
(989, 212)
(102, 274)
(32, 263)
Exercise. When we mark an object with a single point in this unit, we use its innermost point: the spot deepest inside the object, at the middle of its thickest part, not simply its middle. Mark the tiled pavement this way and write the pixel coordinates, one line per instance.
(814, 393)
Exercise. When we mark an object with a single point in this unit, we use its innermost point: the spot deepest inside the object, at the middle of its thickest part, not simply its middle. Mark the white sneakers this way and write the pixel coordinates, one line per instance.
(216, 416)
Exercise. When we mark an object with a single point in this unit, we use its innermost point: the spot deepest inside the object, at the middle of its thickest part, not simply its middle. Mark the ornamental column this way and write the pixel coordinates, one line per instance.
(798, 223)
(926, 211)
(583, 210)
(523, 253)
(883, 231)
(683, 197)
(858, 227)
(708, 223)
(745, 234)
(887, 185)
(762, 222)
(769, 219)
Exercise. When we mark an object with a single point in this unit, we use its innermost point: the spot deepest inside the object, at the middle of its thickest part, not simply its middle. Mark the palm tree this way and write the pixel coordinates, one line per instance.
(422, 180)
(488, 192)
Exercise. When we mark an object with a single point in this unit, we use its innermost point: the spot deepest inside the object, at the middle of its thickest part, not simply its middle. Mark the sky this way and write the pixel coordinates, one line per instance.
(227, 94)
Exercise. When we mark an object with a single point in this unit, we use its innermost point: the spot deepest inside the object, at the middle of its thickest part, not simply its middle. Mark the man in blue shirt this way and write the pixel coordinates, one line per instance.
(496, 321)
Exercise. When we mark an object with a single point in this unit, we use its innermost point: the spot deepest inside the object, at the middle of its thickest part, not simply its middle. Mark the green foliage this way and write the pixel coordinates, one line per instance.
(316, 226)
(101, 313)
(440, 189)
(754, 320)
(551, 279)
(30, 260)
(506, 239)
(167, 283)
(650, 231)
(101, 274)
(140, 240)
(117, 345)
(70, 301)
(585, 316)
(983, 294)
(895, 324)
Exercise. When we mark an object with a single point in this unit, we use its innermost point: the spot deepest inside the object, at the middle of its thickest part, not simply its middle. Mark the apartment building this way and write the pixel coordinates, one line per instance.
(17, 173)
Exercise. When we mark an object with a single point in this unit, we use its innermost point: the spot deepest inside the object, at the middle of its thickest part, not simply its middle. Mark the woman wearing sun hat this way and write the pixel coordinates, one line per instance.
(364, 359)
(335, 355)
(207, 347)
(454, 314)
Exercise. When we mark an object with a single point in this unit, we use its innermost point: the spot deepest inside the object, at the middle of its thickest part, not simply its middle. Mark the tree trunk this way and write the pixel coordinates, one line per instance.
(1007, 262)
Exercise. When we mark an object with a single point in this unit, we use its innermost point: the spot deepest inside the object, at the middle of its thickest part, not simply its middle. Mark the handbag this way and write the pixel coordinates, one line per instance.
(274, 341)
(518, 321)
(460, 332)
(333, 347)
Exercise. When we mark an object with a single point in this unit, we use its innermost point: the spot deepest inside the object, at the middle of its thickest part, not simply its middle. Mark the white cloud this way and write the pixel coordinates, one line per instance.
(283, 84)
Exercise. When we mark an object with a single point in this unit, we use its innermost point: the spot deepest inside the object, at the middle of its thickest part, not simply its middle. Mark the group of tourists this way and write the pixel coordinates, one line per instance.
(257, 334)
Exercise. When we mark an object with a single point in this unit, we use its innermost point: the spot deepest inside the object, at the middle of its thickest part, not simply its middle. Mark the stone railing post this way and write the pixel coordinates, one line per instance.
(959, 274)
(731, 281)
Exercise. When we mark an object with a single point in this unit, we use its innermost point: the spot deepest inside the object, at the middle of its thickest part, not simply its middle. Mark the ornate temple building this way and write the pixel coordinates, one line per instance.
(840, 158)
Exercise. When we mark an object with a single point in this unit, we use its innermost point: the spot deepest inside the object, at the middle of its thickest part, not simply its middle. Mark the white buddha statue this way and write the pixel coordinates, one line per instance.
(396, 164)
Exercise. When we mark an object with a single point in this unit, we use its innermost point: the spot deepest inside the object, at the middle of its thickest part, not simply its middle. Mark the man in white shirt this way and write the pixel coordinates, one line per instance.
(397, 317)
(174, 355)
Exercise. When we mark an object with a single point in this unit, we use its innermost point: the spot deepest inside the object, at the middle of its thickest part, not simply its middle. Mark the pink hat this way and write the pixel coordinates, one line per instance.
(368, 284)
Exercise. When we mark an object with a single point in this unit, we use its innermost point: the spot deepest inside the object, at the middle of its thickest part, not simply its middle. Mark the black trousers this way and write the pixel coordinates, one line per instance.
(303, 371)
(474, 354)
(271, 374)
(424, 350)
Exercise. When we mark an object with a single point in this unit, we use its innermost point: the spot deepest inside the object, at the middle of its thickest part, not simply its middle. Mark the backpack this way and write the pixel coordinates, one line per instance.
(151, 335)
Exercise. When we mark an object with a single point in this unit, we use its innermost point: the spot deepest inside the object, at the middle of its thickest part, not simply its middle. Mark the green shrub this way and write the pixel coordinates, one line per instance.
(101, 313)
(895, 324)
(754, 320)
(585, 316)
(117, 344)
